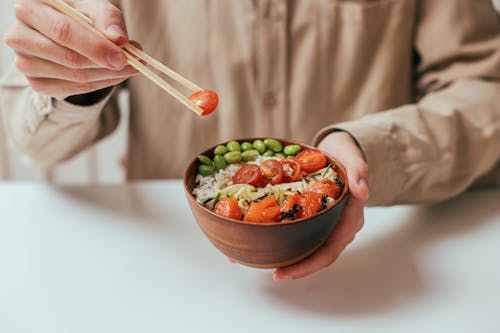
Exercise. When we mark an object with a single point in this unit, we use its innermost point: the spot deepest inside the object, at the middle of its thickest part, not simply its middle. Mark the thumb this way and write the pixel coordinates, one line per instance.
(107, 18)
(344, 148)
(359, 177)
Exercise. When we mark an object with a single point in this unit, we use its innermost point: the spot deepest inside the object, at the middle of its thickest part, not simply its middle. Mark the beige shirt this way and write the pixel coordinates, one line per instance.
(417, 83)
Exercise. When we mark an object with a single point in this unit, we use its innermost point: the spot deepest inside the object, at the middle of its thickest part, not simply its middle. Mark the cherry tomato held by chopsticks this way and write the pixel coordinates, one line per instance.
(207, 100)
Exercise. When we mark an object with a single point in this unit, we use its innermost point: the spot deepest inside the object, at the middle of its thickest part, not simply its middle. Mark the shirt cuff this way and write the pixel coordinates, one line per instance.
(61, 111)
(377, 138)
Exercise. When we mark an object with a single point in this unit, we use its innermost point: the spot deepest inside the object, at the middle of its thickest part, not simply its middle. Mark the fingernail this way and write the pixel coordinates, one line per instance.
(363, 183)
(115, 31)
(280, 277)
(116, 60)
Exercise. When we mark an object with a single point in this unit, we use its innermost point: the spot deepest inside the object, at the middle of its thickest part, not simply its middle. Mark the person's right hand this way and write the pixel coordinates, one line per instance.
(60, 57)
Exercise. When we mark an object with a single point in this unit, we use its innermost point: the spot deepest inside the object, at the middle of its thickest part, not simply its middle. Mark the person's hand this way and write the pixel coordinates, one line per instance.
(343, 147)
(60, 57)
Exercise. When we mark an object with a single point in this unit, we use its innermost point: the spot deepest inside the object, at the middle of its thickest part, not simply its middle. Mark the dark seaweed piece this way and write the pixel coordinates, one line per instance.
(217, 198)
(340, 183)
(324, 201)
(207, 201)
(292, 213)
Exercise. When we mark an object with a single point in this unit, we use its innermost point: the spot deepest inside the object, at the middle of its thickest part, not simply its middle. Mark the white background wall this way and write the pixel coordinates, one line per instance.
(99, 164)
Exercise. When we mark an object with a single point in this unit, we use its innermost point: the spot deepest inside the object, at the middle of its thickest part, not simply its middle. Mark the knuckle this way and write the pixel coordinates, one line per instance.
(21, 64)
(100, 50)
(363, 169)
(12, 38)
(36, 85)
(85, 87)
(61, 31)
(110, 10)
(72, 59)
(20, 10)
(80, 76)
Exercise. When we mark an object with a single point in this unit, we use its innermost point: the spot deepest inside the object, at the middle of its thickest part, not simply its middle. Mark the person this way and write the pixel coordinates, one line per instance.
(406, 94)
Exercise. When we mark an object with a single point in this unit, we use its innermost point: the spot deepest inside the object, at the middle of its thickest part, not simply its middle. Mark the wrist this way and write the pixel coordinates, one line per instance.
(341, 140)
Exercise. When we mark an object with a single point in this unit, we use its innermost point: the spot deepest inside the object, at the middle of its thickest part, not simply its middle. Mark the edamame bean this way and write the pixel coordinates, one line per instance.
(246, 146)
(279, 155)
(260, 146)
(268, 153)
(205, 170)
(204, 160)
(249, 155)
(292, 149)
(274, 145)
(220, 150)
(232, 157)
(287, 156)
(233, 146)
(219, 162)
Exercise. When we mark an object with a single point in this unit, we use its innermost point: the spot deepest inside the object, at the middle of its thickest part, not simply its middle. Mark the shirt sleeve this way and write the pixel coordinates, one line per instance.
(45, 131)
(437, 147)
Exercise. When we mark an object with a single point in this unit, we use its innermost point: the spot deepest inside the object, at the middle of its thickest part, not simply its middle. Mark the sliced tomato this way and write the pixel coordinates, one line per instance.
(290, 208)
(207, 100)
(325, 186)
(311, 203)
(311, 160)
(291, 170)
(229, 208)
(271, 171)
(265, 210)
(248, 174)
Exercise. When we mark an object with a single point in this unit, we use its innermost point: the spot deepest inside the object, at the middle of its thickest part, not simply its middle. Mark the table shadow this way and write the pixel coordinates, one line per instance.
(126, 201)
(382, 274)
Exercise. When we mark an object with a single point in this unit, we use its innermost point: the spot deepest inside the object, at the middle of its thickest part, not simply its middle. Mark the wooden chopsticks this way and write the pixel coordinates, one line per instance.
(131, 52)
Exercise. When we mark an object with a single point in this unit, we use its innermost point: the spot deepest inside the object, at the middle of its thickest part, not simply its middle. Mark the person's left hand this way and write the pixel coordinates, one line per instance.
(343, 147)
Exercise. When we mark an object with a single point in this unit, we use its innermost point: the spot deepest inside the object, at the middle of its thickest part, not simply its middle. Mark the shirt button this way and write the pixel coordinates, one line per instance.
(269, 100)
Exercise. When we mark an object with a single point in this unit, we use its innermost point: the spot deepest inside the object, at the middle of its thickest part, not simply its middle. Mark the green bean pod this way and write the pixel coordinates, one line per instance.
(249, 155)
(204, 160)
(233, 146)
(268, 153)
(274, 145)
(292, 149)
(246, 146)
(220, 150)
(260, 146)
(219, 162)
(205, 170)
(232, 157)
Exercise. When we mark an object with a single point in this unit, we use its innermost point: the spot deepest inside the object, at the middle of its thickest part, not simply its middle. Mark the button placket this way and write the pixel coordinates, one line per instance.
(273, 64)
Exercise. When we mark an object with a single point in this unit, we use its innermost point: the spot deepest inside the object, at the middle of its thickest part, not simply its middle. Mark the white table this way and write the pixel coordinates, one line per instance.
(132, 259)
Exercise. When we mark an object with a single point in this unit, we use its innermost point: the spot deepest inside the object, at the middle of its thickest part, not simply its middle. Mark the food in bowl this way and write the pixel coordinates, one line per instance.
(266, 181)
(260, 244)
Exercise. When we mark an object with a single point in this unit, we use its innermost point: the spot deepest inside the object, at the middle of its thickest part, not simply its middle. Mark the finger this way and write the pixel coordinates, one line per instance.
(357, 174)
(358, 181)
(350, 223)
(136, 44)
(40, 68)
(107, 18)
(69, 33)
(344, 148)
(24, 39)
(61, 89)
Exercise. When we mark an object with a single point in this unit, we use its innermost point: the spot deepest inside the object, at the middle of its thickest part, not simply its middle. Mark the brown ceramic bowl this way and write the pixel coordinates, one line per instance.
(265, 245)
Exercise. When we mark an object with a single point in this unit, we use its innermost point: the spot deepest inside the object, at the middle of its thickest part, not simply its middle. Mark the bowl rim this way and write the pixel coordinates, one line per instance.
(342, 197)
